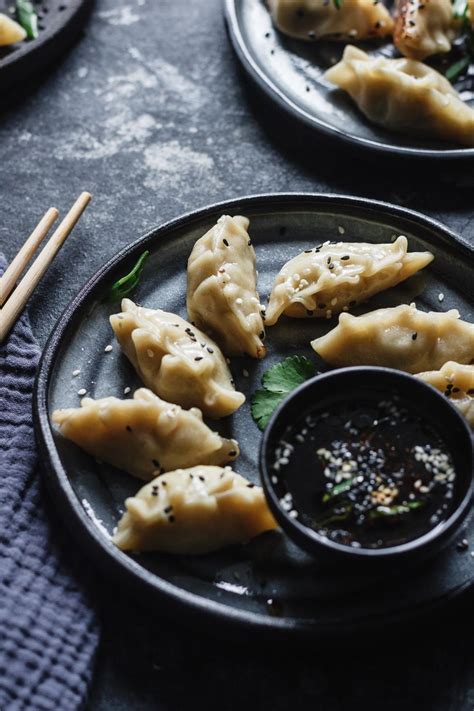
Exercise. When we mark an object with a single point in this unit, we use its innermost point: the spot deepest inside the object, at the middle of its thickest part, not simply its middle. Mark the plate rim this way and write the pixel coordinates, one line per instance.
(79, 523)
(273, 92)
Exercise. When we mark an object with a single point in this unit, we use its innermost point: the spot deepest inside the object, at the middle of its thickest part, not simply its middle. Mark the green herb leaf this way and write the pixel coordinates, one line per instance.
(397, 510)
(27, 18)
(460, 8)
(338, 4)
(457, 68)
(278, 381)
(338, 489)
(333, 517)
(127, 283)
(287, 375)
(263, 405)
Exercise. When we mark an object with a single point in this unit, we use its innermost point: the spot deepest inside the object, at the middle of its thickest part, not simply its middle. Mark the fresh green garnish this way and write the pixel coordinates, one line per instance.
(278, 381)
(27, 18)
(460, 8)
(122, 287)
(456, 69)
(342, 515)
(338, 4)
(338, 489)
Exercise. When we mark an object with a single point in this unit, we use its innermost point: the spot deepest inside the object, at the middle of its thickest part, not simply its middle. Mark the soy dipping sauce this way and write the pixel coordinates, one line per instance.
(369, 474)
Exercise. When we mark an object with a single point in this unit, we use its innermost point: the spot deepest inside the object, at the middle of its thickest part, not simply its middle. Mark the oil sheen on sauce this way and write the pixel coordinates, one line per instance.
(369, 474)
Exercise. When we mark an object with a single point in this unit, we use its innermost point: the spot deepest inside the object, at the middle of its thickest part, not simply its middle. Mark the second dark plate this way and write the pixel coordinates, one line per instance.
(290, 72)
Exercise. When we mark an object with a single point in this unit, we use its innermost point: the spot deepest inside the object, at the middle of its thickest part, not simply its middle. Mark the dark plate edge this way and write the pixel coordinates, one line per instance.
(290, 108)
(138, 579)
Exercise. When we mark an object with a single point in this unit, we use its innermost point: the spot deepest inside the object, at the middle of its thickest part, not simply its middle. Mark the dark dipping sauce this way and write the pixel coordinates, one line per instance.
(369, 474)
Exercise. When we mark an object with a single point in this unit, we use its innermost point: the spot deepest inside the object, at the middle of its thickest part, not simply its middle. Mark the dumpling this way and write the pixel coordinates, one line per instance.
(197, 510)
(312, 19)
(330, 278)
(424, 27)
(404, 95)
(400, 337)
(222, 288)
(10, 31)
(456, 382)
(176, 360)
(144, 436)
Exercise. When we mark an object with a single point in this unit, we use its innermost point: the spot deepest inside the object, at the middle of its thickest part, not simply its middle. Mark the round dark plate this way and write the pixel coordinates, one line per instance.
(290, 72)
(236, 584)
(59, 23)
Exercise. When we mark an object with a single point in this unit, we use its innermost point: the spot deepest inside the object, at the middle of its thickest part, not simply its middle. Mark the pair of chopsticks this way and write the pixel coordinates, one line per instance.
(13, 299)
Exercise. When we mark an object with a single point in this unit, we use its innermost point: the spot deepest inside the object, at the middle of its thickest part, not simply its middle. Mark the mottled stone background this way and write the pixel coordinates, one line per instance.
(150, 113)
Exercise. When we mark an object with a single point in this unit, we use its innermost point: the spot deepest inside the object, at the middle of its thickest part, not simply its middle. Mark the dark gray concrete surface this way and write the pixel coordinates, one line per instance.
(150, 113)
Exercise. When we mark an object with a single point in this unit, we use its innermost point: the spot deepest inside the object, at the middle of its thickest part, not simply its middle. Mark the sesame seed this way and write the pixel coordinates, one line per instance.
(126, 390)
(75, 373)
(441, 296)
(198, 358)
(108, 348)
(245, 373)
(82, 391)
(225, 242)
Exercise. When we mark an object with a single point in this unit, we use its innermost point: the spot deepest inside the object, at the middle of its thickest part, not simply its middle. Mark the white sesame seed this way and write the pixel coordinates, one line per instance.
(293, 514)
(239, 301)
(149, 353)
(75, 373)
(341, 229)
(108, 348)
(82, 391)
(126, 390)
(440, 296)
(334, 301)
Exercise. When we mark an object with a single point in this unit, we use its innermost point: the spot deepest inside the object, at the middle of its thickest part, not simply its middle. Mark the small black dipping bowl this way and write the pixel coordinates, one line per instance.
(363, 383)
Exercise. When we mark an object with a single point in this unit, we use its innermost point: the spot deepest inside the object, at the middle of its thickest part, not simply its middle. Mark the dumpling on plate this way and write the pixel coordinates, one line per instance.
(10, 31)
(176, 360)
(404, 95)
(333, 277)
(347, 19)
(424, 27)
(401, 337)
(456, 381)
(144, 436)
(222, 294)
(193, 511)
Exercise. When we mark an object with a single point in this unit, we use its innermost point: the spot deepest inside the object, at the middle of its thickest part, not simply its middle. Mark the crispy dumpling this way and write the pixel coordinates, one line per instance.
(401, 337)
(312, 19)
(144, 436)
(222, 294)
(10, 31)
(193, 511)
(424, 27)
(176, 360)
(456, 381)
(330, 278)
(404, 95)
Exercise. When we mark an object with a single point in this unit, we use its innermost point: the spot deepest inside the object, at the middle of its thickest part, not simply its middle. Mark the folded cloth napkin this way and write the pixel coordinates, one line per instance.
(48, 628)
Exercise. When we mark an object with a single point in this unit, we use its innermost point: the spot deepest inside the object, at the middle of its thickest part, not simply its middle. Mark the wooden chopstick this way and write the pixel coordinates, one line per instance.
(16, 303)
(17, 266)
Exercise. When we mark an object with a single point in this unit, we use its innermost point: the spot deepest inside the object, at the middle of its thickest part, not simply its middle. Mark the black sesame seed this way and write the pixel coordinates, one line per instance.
(414, 336)
(331, 266)
(155, 463)
(470, 391)
(197, 358)
(329, 260)
(346, 256)
(163, 483)
(171, 519)
(456, 390)
(233, 453)
(261, 335)
(249, 243)
(210, 350)
(128, 428)
(308, 251)
(267, 34)
(250, 485)
(225, 242)
(201, 477)
(168, 509)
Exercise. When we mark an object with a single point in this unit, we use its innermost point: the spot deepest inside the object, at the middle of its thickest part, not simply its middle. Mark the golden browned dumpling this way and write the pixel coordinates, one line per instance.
(405, 96)
(145, 435)
(10, 31)
(197, 510)
(424, 27)
(176, 360)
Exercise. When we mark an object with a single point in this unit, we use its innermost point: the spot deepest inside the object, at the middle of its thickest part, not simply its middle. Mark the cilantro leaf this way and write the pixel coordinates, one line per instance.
(285, 376)
(263, 405)
(127, 283)
(278, 381)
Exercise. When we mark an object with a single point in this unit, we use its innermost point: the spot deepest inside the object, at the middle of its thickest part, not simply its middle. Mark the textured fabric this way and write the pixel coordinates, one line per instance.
(48, 631)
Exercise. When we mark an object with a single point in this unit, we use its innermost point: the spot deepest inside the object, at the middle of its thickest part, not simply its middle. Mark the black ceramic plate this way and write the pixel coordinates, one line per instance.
(236, 584)
(59, 22)
(291, 72)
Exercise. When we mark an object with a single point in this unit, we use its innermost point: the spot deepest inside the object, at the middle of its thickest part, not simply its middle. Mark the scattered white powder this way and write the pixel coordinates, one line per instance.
(172, 165)
(120, 16)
